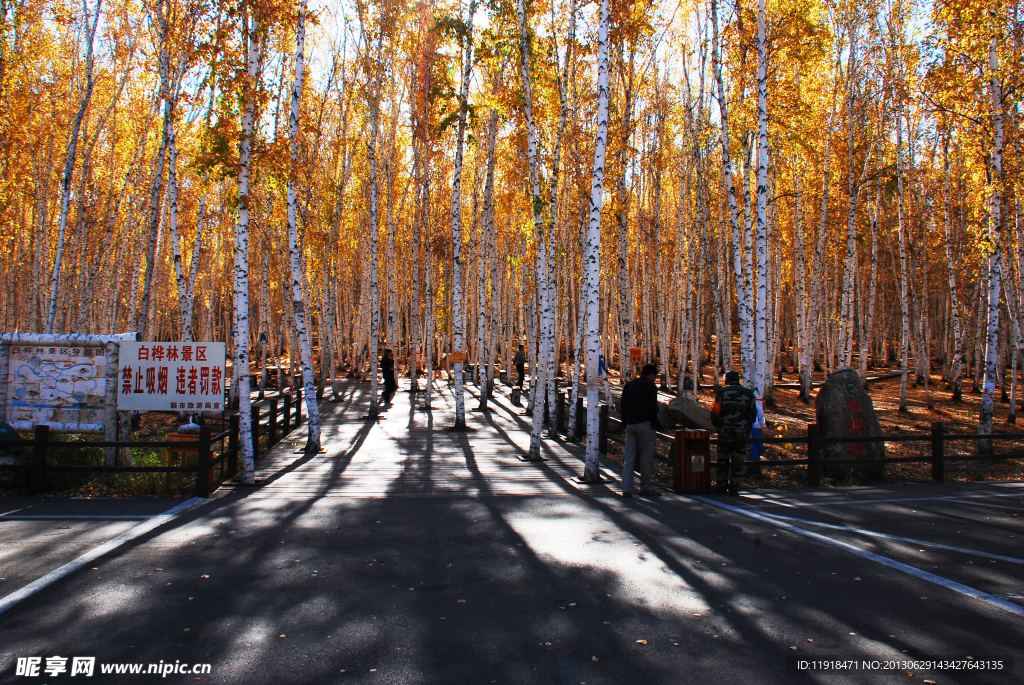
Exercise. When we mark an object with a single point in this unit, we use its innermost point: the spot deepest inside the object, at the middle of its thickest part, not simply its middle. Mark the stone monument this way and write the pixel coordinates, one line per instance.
(845, 410)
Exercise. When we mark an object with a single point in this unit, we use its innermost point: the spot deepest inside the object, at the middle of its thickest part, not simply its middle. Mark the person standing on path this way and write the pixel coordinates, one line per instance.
(733, 413)
(387, 367)
(520, 361)
(640, 414)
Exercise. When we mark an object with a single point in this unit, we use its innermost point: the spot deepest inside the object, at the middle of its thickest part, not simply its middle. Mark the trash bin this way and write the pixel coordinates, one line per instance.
(692, 474)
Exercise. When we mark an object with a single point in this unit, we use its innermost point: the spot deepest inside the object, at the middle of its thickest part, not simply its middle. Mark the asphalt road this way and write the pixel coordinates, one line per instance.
(574, 586)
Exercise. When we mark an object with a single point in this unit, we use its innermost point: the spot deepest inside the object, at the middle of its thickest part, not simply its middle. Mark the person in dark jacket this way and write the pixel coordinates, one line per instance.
(733, 413)
(520, 361)
(640, 415)
(387, 368)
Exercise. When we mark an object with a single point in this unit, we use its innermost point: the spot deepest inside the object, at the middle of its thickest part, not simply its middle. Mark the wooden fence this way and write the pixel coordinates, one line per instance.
(814, 462)
(270, 418)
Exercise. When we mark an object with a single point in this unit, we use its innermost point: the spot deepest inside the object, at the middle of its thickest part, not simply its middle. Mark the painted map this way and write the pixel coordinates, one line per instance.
(49, 383)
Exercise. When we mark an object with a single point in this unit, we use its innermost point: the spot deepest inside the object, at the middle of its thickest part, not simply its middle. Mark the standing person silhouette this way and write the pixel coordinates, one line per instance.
(640, 414)
(520, 361)
(387, 367)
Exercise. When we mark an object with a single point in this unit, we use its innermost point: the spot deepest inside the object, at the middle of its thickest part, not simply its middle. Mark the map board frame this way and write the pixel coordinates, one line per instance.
(49, 377)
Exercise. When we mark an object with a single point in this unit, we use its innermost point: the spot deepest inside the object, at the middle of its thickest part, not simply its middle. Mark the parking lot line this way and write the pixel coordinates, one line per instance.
(992, 600)
(95, 553)
(876, 534)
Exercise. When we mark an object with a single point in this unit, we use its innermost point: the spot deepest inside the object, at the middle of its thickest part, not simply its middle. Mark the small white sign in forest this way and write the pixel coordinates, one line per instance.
(171, 376)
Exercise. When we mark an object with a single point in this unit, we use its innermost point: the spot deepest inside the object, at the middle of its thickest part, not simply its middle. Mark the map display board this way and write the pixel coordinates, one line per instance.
(171, 376)
(56, 384)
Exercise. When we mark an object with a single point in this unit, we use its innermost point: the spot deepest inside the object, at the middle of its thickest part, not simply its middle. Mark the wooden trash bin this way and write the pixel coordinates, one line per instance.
(692, 474)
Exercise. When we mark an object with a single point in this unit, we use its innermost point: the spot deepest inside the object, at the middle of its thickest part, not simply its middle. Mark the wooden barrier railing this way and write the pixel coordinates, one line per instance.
(937, 437)
(211, 449)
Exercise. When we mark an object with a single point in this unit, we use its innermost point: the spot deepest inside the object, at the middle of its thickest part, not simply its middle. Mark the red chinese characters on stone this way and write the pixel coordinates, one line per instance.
(856, 425)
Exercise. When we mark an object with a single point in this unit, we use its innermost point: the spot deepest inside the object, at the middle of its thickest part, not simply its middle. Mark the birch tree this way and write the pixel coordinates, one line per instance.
(538, 225)
(240, 319)
(69, 162)
(762, 359)
(592, 256)
(458, 321)
(298, 302)
(994, 239)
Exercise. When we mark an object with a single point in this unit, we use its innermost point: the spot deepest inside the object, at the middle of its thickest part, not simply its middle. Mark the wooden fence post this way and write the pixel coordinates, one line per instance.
(287, 414)
(39, 458)
(298, 407)
(677, 462)
(813, 456)
(602, 441)
(579, 431)
(233, 446)
(203, 463)
(556, 425)
(254, 414)
(938, 453)
(272, 429)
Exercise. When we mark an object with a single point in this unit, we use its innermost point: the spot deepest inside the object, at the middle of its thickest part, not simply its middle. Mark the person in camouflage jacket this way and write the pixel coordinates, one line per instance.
(733, 413)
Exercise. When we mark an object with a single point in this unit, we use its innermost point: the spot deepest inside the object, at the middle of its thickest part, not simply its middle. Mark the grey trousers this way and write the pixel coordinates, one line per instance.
(639, 436)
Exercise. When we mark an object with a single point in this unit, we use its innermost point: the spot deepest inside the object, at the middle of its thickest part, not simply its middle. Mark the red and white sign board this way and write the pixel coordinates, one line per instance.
(171, 376)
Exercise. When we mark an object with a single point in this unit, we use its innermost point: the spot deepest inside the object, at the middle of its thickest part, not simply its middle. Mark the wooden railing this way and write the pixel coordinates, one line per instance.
(211, 449)
(937, 456)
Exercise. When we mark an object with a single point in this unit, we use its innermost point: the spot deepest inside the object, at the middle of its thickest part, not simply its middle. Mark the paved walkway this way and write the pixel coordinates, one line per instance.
(409, 452)
(409, 554)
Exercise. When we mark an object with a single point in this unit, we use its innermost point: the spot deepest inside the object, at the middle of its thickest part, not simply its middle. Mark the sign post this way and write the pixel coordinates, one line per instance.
(171, 376)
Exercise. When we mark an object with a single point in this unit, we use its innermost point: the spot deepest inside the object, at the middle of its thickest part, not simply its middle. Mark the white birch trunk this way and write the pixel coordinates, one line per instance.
(69, 163)
(487, 338)
(298, 301)
(954, 304)
(539, 227)
(904, 309)
(374, 257)
(762, 360)
(458, 316)
(850, 264)
(995, 228)
(743, 310)
(592, 256)
(241, 279)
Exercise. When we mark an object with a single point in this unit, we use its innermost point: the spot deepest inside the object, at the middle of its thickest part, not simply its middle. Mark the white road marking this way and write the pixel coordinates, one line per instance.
(993, 600)
(831, 502)
(72, 566)
(990, 504)
(12, 511)
(89, 517)
(923, 543)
